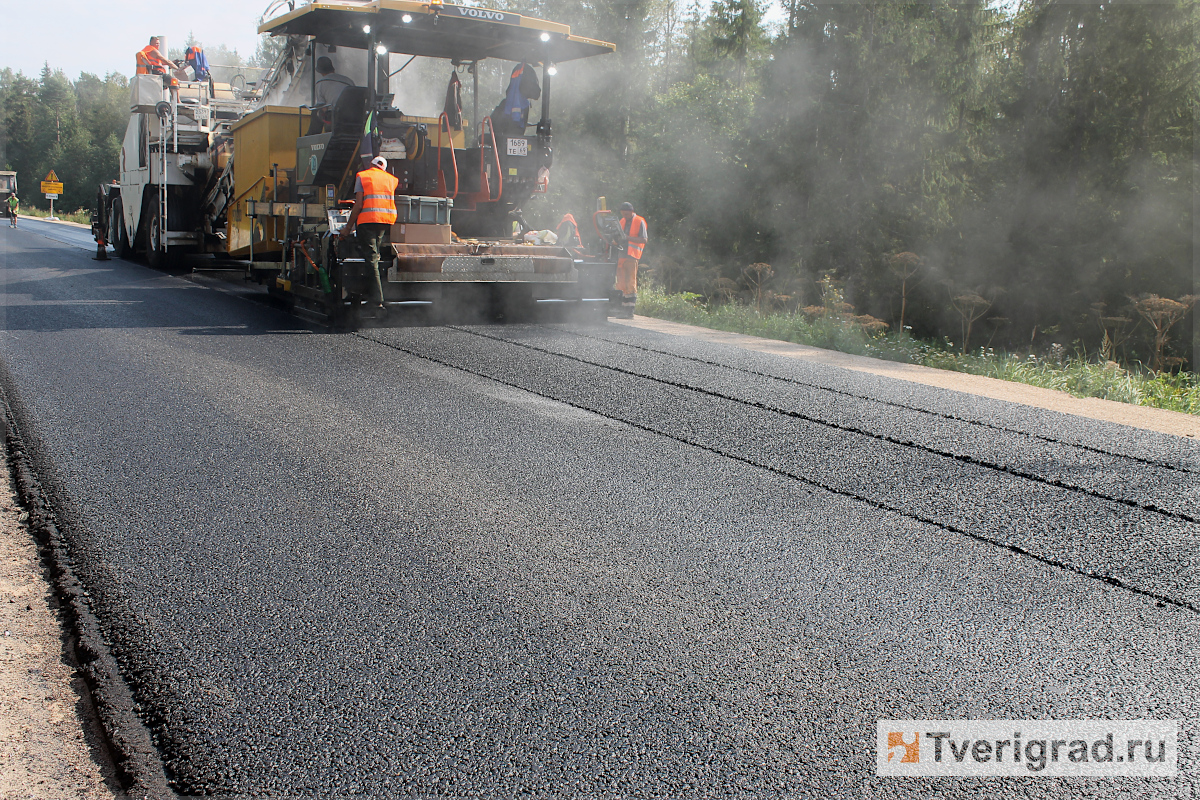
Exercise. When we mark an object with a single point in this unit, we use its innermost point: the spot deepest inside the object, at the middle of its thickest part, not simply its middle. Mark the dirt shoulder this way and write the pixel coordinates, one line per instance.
(50, 745)
(1152, 419)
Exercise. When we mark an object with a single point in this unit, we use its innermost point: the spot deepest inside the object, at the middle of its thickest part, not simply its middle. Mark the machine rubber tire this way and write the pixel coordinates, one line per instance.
(171, 261)
(118, 236)
(154, 257)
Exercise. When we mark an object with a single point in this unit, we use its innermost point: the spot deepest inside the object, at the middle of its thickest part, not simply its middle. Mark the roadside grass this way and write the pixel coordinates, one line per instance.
(80, 215)
(1077, 374)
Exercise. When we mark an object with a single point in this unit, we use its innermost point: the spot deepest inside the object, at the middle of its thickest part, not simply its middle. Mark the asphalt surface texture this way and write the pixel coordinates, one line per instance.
(579, 561)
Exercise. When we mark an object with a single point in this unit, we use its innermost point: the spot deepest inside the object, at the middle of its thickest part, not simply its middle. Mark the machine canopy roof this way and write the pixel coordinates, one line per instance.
(465, 33)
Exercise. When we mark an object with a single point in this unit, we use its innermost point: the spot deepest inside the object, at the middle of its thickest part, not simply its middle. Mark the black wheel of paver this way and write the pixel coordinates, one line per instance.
(155, 256)
(172, 258)
(118, 236)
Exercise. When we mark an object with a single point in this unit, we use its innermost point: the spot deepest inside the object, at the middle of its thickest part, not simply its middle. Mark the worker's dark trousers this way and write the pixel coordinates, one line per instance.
(370, 237)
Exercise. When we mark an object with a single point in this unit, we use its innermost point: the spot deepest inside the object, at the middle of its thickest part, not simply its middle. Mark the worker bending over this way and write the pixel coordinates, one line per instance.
(194, 57)
(373, 214)
(568, 235)
(636, 234)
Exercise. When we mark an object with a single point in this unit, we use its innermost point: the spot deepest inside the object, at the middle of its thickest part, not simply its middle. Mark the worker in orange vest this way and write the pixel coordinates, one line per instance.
(151, 61)
(636, 234)
(568, 234)
(373, 214)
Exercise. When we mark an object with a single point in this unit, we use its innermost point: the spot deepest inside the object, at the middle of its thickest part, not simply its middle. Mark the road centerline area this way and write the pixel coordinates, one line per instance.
(1027, 475)
(1065, 565)
(882, 401)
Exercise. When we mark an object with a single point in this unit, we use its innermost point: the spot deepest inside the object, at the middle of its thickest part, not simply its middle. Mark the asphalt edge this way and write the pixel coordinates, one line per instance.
(136, 760)
(1146, 418)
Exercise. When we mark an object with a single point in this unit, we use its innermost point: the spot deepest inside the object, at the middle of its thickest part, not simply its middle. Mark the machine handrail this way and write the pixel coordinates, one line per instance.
(487, 123)
(279, 4)
(453, 158)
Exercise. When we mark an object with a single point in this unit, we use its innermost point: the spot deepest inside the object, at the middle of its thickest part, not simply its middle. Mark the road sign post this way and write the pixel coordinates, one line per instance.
(52, 187)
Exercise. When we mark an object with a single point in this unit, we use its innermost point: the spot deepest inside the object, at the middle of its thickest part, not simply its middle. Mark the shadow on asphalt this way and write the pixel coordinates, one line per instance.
(123, 294)
(53, 293)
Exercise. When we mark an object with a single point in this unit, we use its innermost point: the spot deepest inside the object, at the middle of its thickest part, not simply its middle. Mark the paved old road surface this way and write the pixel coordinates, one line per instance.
(580, 562)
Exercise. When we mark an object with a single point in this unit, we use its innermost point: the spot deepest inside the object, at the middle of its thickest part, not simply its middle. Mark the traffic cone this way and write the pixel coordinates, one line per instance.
(101, 251)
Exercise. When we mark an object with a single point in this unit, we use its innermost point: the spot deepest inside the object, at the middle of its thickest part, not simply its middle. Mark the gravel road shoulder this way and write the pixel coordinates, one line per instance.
(50, 744)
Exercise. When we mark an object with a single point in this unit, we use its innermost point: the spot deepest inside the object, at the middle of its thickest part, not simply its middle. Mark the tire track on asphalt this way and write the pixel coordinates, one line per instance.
(1161, 598)
(909, 443)
(869, 399)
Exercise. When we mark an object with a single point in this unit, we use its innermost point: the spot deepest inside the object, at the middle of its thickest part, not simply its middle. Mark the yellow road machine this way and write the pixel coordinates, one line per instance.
(262, 173)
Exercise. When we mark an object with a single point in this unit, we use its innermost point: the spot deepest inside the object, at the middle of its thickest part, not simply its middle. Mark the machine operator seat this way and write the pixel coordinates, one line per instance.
(346, 128)
(349, 112)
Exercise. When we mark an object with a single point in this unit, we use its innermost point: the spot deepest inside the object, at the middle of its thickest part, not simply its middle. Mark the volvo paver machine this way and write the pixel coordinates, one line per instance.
(243, 173)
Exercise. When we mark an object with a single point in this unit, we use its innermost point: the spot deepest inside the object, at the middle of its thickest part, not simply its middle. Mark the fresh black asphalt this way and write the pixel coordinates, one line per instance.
(579, 561)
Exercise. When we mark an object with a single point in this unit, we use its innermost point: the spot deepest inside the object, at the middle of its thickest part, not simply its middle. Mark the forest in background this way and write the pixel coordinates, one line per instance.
(1026, 167)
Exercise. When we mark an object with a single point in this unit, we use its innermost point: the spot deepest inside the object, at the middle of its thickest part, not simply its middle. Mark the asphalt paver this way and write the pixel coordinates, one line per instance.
(579, 561)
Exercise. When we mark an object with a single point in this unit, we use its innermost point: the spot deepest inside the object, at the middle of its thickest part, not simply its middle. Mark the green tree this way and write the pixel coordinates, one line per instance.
(72, 128)
(1089, 196)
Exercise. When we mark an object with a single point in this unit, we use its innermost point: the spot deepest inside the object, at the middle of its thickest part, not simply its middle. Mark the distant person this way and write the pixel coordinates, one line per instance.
(194, 57)
(11, 206)
(510, 117)
(151, 61)
(568, 234)
(330, 86)
(373, 214)
(636, 234)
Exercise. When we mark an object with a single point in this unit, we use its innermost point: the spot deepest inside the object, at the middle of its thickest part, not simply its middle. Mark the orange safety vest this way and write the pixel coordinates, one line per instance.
(379, 196)
(568, 238)
(638, 228)
(149, 62)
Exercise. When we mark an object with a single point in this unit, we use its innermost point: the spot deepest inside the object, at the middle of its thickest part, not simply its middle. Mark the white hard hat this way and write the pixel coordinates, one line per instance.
(379, 161)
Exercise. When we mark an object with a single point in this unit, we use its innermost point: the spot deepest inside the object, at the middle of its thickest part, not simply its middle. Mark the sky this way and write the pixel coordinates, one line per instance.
(101, 37)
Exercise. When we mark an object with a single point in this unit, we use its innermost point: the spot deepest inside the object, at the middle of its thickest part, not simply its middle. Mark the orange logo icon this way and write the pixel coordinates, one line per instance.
(909, 751)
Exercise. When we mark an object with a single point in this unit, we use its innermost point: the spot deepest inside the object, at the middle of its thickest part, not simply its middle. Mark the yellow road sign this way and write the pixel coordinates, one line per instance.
(52, 178)
(52, 187)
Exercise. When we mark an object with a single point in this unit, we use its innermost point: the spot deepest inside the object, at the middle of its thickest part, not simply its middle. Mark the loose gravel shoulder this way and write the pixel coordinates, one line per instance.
(51, 747)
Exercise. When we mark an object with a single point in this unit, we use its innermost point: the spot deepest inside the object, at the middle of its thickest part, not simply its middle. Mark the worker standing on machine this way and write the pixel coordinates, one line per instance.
(195, 58)
(373, 214)
(636, 234)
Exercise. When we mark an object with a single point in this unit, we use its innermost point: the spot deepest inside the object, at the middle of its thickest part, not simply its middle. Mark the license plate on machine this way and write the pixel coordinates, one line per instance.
(518, 147)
